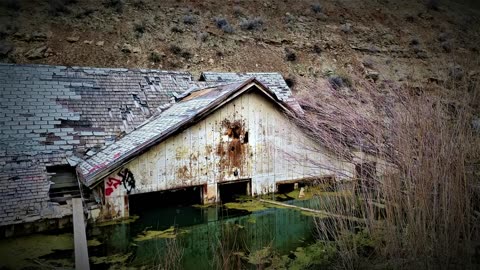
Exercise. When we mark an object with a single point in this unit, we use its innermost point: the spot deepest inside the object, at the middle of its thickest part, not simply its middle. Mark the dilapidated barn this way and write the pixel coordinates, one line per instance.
(111, 135)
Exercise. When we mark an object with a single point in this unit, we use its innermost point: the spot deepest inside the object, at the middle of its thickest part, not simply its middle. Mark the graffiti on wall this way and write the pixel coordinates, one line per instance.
(127, 180)
(112, 184)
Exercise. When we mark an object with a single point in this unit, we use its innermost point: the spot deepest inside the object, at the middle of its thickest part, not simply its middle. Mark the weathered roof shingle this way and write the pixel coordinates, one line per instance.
(55, 115)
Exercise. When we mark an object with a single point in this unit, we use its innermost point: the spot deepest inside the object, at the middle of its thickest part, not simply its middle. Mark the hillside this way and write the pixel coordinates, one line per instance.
(397, 80)
(384, 40)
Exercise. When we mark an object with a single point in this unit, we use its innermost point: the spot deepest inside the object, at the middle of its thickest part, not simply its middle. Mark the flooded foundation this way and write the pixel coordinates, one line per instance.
(138, 203)
(285, 188)
(176, 220)
(229, 192)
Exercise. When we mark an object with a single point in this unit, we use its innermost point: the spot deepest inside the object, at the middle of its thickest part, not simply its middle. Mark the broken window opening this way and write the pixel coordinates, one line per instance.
(65, 183)
(245, 137)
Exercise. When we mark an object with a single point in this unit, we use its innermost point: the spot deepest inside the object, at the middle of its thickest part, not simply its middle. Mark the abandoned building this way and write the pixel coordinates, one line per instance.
(111, 136)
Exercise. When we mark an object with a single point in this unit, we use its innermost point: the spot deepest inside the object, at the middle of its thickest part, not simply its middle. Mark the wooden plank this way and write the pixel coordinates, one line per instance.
(313, 210)
(80, 236)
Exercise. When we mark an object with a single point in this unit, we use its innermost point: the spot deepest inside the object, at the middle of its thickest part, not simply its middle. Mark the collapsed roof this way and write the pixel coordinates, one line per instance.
(57, 115)
(191, 108)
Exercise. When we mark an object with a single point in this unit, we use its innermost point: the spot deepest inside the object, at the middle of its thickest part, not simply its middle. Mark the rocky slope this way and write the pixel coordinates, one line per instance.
(363, 46)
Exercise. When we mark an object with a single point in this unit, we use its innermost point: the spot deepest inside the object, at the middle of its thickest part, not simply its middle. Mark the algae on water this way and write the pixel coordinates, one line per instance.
(251, 206)
(93, 243)
(23, 250)
(171, 232)
(118, 221)
(112, 259)
(209, 205)
(252, 220)
(260, 257)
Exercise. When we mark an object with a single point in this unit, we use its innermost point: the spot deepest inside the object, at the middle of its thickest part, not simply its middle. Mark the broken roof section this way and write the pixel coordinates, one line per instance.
(187, 111)
(49, 109)
(49, 114)
(274, 81)
(56, 115)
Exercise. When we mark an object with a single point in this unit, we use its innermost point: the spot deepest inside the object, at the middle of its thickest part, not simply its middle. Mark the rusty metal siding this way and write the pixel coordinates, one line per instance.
(210, 152)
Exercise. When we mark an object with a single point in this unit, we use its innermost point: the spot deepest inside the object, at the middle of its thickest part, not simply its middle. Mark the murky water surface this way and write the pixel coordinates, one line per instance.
(197, 230)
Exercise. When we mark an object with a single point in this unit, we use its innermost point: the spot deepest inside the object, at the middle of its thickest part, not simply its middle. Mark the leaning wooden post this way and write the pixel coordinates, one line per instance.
(80, 236)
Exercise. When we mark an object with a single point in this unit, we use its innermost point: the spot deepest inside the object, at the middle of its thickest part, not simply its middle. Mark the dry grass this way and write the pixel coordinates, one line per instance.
(227, 247)
(420, 212)
(171, 257)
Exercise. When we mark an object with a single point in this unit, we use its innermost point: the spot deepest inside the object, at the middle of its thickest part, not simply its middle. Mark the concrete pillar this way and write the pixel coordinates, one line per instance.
(210, 194)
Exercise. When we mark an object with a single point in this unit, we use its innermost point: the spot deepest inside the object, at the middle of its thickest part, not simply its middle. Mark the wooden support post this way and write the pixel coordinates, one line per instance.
(80, 236)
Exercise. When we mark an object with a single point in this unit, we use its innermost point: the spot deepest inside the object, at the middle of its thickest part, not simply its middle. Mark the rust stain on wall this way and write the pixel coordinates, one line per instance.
(109, 211)
(183, 173)
(208, 149)
(234, 151)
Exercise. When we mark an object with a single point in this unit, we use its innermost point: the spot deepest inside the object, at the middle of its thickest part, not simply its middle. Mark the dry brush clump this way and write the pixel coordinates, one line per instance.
(416, 207)
(170, 258)
(227, 247)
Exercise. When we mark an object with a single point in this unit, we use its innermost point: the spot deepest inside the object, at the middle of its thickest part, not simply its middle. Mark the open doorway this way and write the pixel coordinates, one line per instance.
(167, 198)
(162, 209)
(230, 191)
(283, 188)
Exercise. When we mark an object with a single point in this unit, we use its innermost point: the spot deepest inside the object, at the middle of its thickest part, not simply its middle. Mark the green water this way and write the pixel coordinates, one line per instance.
(200, 230)
(279, 228)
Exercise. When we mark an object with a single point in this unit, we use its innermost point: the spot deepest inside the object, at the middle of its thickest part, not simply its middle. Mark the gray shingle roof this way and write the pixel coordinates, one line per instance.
(50, 114)
(274, 81)
(158, 127)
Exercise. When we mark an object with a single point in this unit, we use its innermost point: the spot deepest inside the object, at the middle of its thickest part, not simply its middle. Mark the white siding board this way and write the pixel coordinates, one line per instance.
(276, 152)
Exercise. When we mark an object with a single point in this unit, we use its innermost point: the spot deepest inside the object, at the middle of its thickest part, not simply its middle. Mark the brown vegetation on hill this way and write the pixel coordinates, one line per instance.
(397, 78)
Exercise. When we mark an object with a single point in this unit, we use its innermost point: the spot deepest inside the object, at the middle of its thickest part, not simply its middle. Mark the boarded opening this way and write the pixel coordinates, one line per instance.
(230, 191)
(138, 203)
(65, 184)
(285, 188)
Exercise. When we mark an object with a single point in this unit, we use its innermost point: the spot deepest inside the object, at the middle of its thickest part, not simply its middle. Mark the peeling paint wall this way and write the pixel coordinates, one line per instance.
(249, 138)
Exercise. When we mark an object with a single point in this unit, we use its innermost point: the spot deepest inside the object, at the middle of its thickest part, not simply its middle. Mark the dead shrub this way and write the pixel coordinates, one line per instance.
(189, 19)
(290, 55)
(139, 28)
(58, 7)
(11, 4)
(417, 208)
(433, 4)
(170, 258)
(316, 8)
(154, 57)
(223, 24)
(252, 24)
(117, 5)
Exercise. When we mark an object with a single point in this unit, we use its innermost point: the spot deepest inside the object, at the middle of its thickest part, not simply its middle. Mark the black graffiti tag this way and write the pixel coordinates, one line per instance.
(127, 179)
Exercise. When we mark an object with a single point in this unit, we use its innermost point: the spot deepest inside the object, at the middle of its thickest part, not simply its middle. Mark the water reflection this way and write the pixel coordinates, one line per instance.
(282, 229)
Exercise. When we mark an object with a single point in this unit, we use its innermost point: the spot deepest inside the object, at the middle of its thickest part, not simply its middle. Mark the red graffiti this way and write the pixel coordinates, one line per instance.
(117, 155)
(108, 191)
(112, 184)
(97, 167)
